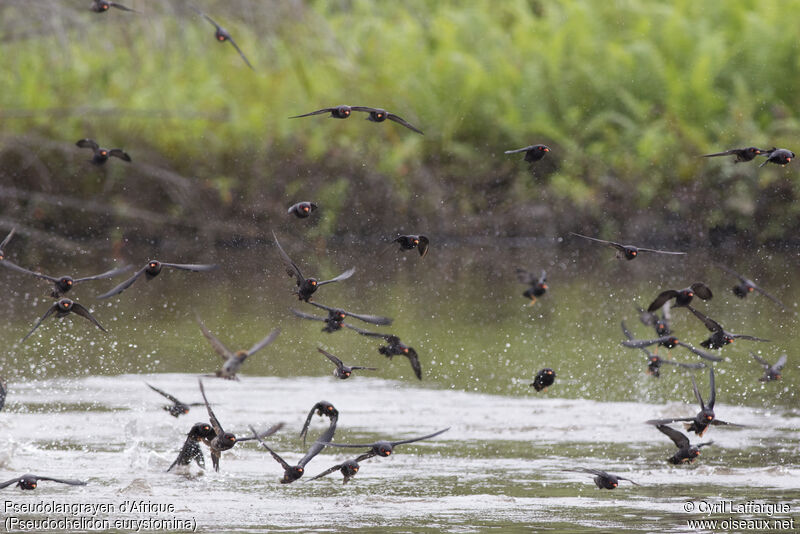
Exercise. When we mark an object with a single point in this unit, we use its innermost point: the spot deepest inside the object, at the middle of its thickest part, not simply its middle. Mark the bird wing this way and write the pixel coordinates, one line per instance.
(336, 361)
(318, 445)
(590, 471)
(519, 150)
(697, 391)
(344, 276)
(364, 108)
(318, 112)
(711, 324)
(610, 243)
(265, 434)
(424, 244)
(678, 438)
(209, 19)
(713, 395)
(15, 267)
(660, 251)
(703, 354)
(726, 153)
(102, 276)
(120, 6)
(372, 319)
(71, 482)
(124, 285)
(291, 267)
(217, 345)
(764, 363)
(662, 299)
(326, 472)
(702, 291)
(647, 318)
(413, 358)
(8, 238)
(358, 367)
(698, 365)
(164, 393)
(214, 422)
(770, 297)
(526, 277)
(749, 338)
(88, 143)
(367, 333)
(779, 364)
(306, 315)
(264, 342)
(401, 120)
(196, 267)
(629, 480)
(119, 153)
(396, 443)
(626, 332)
(9, 482)
(730, 271)
(640, 343)
(47, 314)
(240, 52)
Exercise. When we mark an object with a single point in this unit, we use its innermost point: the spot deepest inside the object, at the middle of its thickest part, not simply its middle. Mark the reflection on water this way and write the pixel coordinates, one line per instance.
(77, 406)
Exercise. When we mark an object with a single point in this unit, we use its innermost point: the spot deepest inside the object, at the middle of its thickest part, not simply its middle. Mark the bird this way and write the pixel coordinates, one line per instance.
(101, 6)
(628, 252)
(654, 361)
(302, 210)
(222, 35)
(660, 324)
(348, 468)
(747, 286)
(222, 441)
(411, 242)
(668, 342)
(383, 448)
(719, 337)
(152, 269)
(292, 473)
(338, 315)
(686, 452)
(337, 112)
(771, 372)
(778, 156)
(380, 115)
(705, 417)
(29, 481)
(306, 286)
(538, 286)
(602, 479)
(393, 347)
(177, 408)
(3, 391)
(101, 155)
(5, 242)
(323, 409)
(682, 296)
(64, 283)
(61, 308)
(742, 154)
(532, 153)
(544, 379)
(233, 360)
(191, 446)
(343, 371)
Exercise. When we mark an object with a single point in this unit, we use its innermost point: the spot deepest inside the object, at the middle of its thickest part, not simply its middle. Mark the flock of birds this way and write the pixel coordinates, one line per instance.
(218, 440)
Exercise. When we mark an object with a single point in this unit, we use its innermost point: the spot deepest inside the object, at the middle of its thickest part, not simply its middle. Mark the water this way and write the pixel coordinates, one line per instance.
(78, 407)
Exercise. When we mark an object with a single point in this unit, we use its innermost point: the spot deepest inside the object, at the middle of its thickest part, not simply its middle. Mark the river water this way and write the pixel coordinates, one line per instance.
(78, 406)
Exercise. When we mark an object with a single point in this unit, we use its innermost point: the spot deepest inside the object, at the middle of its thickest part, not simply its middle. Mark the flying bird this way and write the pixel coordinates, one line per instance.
(393, 347)
(337, 112)
(222, 35)
(771, 372)
(61, 308)
(687, 453)
(348, 468)
(336, 316)
(343, 371)
(778, 156)
(152, 269)
(5, 242)
(191, 446)
(654, 361)
(742, 154)
(533, 153)
(101, 6)
(668, 342)
(302, 210)
(323, 409)
(747, 286)
(233, 360)
(538, 286)
(29, 481)
(101, 155)
(544, 379)
(222, 441)
(294, 472)
(683, 297)
(380, 115)
(383, 448)
(628, 252)
(719, 336)
(64, 283)
(411, 242)
(705, 417)
(306, 286)
(177, 408)
(660, 324)
(602, 479)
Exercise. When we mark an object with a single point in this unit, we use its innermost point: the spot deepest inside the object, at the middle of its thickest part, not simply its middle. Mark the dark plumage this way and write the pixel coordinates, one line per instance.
(654, 361)
(719, 337)
(660, 324)
(747, 286)
(29, 481)
(101, 155)
(101, 6)
(337, 112)
(191, 446)
(177, 408)
(668, 342)
(533, 153)
(343, 371)
(383, 448)
(544, 379)
(64, 283)
(5, 242)
(323, 409)
(222, 441)
(411, 242)
(778, 156)
(3, 391)
(61, 308)
(538, 286)
(682, 296)
(292, 473)
(742, 154)
(306, 286)
(686, 452)
(232, 361)
(348, 468)
(602, 479)
(394, 347)
(771, 372)
(628, 252)
(222, 35)
(380, 115)
(152, 269)
(302, 210)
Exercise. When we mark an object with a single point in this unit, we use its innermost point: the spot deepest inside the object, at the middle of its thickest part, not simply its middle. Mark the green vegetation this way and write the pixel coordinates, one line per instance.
(628, 94)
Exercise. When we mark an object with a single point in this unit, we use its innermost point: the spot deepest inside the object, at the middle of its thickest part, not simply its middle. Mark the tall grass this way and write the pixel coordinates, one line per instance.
(627, 93)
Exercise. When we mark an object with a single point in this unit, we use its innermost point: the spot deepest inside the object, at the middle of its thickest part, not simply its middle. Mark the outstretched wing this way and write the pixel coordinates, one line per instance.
(119, 153)
(412, 440)
(344, 276)
(8, 238)
(220, 349)
(71, 482)
(336, 361)
(196, 267)
(318, 445)
(641, 343)
(9, 482)
(265, 434)
(124, 285)
(770, 297)
(678, 438)
(662, 299)
(326, 472)
(401, 120)
(240, 52)
(291, 267)
(703, 354)
(730, 272)
(367, 333)
(697, 391)
(660, 251)
(15, 267)
(47, 314)
(318, 112)
(88, 143)
(107, 274)
(603, 241)
(779, 364)
(214, 422)
(164, 393)
(711, 324)
(414, 359)
(264, 342)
